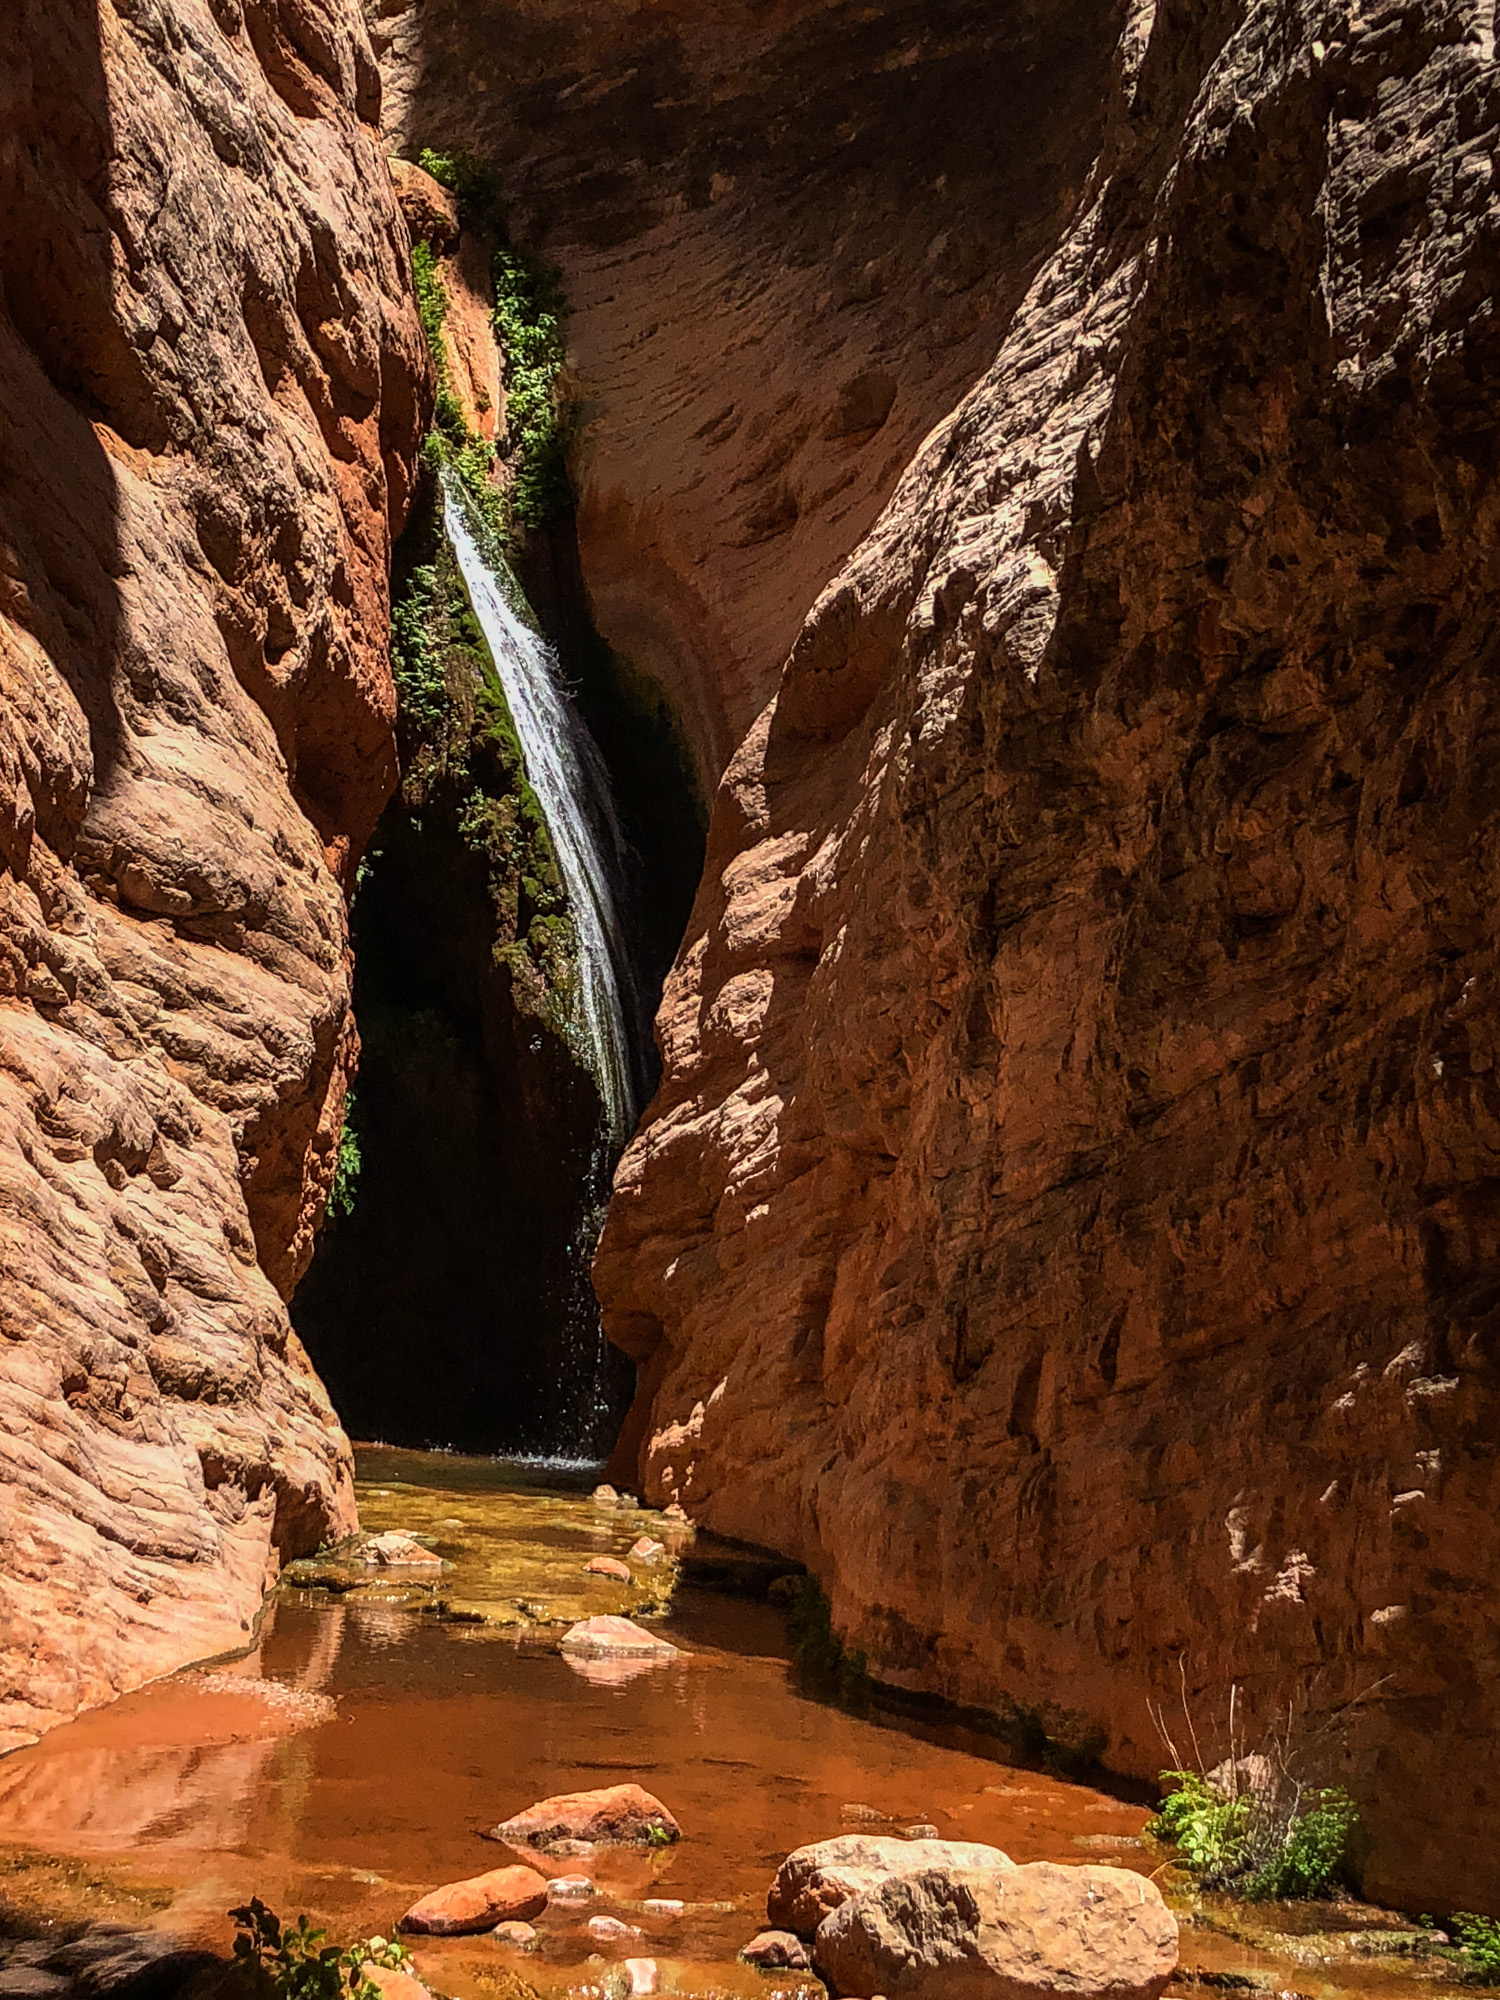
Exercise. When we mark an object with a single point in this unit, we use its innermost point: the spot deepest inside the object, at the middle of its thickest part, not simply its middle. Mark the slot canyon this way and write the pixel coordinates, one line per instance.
(743, 818)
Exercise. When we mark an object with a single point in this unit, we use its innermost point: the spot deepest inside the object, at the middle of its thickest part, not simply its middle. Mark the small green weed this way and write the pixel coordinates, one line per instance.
(346, 1166)
(297, 1963)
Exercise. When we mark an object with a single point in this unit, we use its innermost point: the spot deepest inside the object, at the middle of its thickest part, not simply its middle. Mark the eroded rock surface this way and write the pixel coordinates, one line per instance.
(814, 1881)
(1068, 1217)
(1002, 1934)
(211, 384)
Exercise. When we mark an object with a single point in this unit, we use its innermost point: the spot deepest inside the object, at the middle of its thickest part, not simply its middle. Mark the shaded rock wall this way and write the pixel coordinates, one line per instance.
(211, 387)
(1069, 1217)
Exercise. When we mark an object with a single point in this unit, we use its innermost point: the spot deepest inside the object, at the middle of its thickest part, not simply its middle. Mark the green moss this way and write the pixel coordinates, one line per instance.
(823, 1662)
(1479, 1940)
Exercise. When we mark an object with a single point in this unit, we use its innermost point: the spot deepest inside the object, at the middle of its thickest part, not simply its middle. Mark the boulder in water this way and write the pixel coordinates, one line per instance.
(1002, 1934)
(605, 1496)
(609, 1566)
(400, 1550)
(479, 1903)
(522, 1936)
(615, 1639)
(816, 1879)
(615, 1815)
(774, 1950)
(610, 1930)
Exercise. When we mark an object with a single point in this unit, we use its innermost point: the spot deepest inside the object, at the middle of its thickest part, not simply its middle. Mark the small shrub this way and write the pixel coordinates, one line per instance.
(297, 1963)
(1479, 1938)
(1277, 1840)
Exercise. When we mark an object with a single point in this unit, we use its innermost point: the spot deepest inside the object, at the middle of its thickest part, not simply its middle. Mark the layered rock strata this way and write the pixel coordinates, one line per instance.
(212, 381)
(1068, 1219)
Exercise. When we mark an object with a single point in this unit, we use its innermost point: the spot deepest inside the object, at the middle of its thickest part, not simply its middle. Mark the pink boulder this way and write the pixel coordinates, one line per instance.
(609, 1566)
(616, 1815)
(502, 1896)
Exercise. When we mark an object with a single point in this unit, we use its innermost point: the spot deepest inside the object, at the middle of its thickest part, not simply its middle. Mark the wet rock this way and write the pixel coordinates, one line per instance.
(610, 1930)
(772, 1950)
(664, 1906)
(612, 1638)
(571, 1888)
(479, 1903)
(609, 1566)
(923, 1831)
(674, 1512)
(643, 1976)
(393, 1983)
(570, 1847)
(858, 1815)
(615, 1815)
(629, 1500)
(29, 1982)
(1002, 1934)
(396, 1549)
(605, 1496)
(816, 1879)
(523, 1936)
(646, 1551)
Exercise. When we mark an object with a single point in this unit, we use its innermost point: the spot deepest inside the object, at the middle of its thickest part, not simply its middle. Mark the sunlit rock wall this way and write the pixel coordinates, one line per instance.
(1069, 1217)
(211, 385)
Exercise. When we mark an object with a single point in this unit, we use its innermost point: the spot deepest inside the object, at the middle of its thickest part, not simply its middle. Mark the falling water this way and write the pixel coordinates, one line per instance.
(568, 776)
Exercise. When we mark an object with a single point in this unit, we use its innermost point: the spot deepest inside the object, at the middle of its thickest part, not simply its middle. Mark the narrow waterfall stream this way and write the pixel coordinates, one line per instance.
(570, 781)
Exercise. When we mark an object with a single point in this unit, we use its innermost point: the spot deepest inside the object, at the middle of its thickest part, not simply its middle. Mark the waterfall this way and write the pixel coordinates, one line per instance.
(568, 776)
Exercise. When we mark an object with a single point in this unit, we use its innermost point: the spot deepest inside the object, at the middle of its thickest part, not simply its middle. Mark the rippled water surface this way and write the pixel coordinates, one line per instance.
(356, 1758)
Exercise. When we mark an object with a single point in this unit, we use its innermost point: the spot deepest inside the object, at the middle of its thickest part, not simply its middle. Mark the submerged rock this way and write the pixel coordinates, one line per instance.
(523, 1936)
(479, 1903)
(1002, 1934)
(609, 1566)
(570, 1889)
(814, 1880)
(610, 1930)
(773, 1950)
(646, 1551)
(614, 1815)
(612, 1638)
(400, 1550)
(642, 1973)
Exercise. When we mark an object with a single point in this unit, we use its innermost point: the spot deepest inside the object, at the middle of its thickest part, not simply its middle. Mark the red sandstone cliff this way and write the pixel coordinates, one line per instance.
(211, 387)
(1069, 1215)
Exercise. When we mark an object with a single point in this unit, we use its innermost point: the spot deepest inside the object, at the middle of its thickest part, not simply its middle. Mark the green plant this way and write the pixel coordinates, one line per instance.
(297, 1963)
(657, 1835)
(465, 175)
(346, 1164)
(529, 316)
(1479, 1938)
(432, 305)
(1271, 1839)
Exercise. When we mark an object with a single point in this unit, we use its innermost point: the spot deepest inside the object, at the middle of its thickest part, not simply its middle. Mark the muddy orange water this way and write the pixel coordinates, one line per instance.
(356, 1758)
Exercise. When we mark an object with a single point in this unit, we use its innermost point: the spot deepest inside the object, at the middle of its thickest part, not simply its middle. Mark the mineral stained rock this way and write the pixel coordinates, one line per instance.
(1068, 1218)
(211, 385)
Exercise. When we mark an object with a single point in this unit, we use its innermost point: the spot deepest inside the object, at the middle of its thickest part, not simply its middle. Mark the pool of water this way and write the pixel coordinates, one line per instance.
(358, 1756)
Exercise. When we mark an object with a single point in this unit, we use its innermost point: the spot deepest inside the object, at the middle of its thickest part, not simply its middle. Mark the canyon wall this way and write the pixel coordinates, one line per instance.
(1069, 1218)
(212, 383)
(787, 234)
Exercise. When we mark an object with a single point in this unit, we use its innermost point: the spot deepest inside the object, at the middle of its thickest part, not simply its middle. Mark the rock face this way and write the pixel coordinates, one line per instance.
(985, 1934)
(1068, 1217)
(211, 385)
(814, 1881)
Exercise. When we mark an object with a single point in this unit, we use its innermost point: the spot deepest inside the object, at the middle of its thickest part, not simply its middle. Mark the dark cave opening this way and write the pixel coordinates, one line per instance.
(450, 1305)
